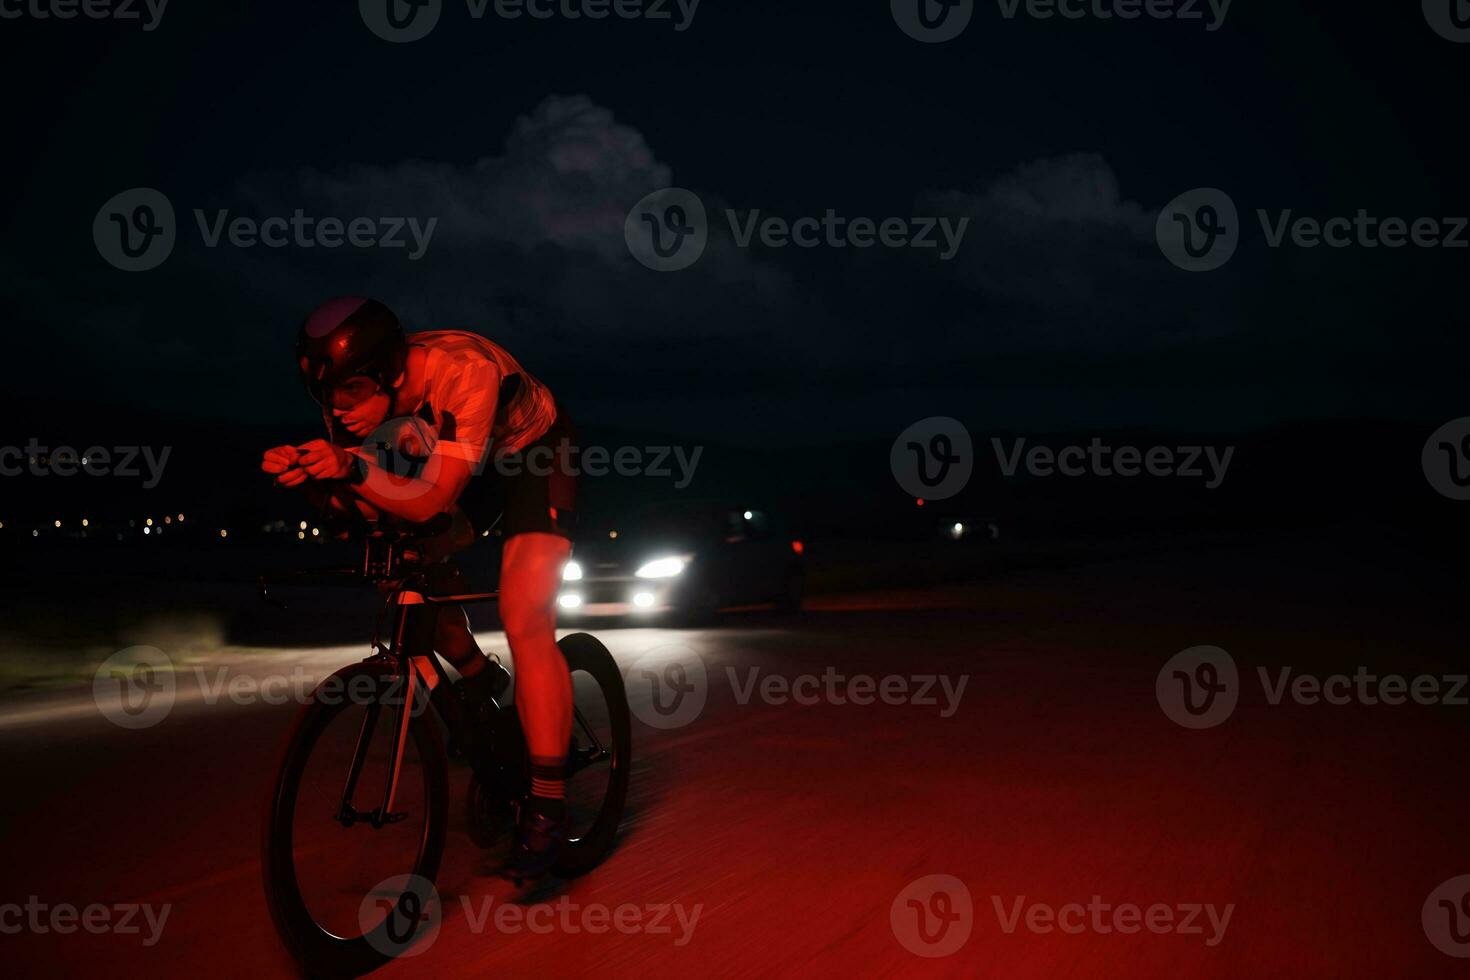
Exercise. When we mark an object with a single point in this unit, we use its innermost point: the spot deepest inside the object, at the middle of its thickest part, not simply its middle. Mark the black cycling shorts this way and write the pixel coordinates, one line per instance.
(536, 488)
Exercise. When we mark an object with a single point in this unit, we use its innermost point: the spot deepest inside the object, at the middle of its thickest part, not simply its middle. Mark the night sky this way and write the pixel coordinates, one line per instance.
(529, 141)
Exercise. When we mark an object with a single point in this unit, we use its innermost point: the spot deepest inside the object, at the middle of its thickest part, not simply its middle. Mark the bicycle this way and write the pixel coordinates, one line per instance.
(406, 681)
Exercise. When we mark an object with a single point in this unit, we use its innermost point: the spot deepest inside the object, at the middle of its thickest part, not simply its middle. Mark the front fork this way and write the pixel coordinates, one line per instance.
(418, 675)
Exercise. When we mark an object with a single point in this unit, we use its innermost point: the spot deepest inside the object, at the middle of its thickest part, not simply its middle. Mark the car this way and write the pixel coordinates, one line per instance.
(684, 560)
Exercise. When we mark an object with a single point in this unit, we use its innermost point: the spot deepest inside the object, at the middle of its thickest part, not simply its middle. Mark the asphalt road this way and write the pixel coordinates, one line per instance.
(1083, 832)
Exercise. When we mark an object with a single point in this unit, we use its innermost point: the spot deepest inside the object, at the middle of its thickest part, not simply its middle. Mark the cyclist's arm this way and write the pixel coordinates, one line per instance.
(470, 392)
(417, 500)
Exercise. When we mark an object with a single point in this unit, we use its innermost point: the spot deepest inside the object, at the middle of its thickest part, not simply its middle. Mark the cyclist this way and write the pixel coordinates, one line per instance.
(413, 421)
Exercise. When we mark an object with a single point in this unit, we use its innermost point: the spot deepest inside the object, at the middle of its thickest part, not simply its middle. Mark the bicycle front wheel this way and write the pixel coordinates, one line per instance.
(349, 876)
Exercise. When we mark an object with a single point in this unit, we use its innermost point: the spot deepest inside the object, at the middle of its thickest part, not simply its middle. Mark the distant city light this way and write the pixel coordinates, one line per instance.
(302, 525)
(300, 535)
(149, 522)
(35, 533)
(749, 515)
(223, 533)
(612, 534)
(181, 518)
(84, 522)
(57, 523)
(316, 531)
(147, 530)
(167, 519)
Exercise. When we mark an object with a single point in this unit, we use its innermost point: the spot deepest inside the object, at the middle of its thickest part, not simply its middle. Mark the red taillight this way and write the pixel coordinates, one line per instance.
(919, 501)
(798, 547)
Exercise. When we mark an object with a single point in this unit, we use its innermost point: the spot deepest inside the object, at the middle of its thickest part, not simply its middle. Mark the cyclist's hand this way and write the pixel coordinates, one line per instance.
(323, 461)
(280, 462)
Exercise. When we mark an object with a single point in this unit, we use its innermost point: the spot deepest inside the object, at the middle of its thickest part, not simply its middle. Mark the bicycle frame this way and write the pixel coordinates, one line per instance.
(420, 672)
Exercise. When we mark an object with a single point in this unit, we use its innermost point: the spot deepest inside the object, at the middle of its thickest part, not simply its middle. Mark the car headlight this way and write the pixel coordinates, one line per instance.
(572, 572)
(661, 568)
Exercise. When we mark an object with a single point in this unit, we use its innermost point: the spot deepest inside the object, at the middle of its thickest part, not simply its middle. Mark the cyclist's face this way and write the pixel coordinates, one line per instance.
(361, 404)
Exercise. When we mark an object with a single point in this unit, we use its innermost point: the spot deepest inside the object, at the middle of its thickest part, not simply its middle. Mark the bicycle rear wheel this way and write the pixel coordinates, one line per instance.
(352, 887)
(601, 752)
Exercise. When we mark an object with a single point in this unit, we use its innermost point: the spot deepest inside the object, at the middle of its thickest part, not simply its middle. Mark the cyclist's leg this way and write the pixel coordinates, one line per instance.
(540, 496)
(455, 641)
(530, 576)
